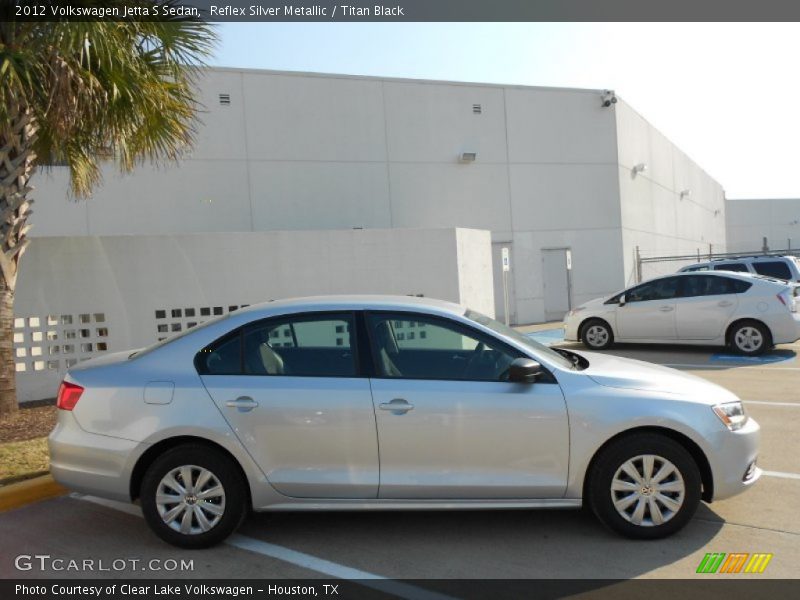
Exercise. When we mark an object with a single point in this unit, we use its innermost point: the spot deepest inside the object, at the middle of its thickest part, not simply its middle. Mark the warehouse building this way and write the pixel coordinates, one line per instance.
(573, 182)
(763, 224)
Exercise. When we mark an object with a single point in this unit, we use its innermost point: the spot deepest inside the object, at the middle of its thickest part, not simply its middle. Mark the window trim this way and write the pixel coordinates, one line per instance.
(547, 376)
(355, 343)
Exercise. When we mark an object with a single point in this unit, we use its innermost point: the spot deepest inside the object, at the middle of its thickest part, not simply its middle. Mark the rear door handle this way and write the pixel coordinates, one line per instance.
(725, 303)
(398, 406)
(666, 308)
(243, 403)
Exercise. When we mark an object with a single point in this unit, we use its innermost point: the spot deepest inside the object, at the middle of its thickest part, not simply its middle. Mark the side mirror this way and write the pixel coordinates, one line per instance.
(524, 370)
(622, 300)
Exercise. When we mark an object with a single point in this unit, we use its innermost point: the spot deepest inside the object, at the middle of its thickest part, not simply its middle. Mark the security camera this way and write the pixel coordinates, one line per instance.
(609, 98)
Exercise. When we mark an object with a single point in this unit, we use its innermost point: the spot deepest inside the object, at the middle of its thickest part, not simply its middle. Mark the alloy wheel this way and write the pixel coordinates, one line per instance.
(648, 490)
(190, 499)
(596, 335)
(748, 339)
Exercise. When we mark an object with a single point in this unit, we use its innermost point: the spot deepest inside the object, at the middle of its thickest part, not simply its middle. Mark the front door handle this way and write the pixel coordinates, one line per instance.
(666, 308)
(398, 406)
(243, 403)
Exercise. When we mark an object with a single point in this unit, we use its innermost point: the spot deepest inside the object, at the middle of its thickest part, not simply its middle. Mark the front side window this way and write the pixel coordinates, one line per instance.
(439, 349)
(777, 269)
(660, 289)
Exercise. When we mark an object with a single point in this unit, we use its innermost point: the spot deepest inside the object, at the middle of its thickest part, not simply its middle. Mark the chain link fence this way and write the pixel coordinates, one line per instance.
(648, 267)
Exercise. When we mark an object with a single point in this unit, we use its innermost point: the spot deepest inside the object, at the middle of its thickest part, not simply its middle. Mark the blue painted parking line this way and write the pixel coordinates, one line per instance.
(548, 337)
(753, 360)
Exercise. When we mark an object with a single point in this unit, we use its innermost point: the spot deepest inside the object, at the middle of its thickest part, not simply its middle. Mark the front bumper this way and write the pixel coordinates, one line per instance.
(736, 451)
(90, 463)
(571, 328)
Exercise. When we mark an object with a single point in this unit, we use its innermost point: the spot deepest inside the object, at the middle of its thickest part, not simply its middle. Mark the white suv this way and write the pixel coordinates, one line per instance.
(748, 312)
(779, 267)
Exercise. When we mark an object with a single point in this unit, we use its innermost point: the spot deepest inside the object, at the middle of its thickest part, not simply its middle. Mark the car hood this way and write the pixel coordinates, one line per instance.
(593, 303)
(626, 373)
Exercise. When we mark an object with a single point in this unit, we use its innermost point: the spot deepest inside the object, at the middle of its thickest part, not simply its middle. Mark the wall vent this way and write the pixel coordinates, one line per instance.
(225, 99)
(477, 109)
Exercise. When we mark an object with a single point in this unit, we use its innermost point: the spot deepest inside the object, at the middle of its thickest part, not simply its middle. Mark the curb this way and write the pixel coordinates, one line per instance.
(19, 494)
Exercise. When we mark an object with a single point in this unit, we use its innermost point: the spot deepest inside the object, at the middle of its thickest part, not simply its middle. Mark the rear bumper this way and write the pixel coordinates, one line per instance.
(737, 451)
(90, 463)
(788, 331)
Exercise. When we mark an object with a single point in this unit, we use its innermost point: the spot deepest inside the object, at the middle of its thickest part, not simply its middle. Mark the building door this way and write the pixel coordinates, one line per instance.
(556, 282)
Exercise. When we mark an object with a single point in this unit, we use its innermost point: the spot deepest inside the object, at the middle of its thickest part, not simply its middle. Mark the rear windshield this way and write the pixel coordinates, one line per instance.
(178, 336)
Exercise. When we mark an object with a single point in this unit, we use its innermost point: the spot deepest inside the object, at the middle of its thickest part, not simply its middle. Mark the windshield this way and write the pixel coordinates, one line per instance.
(536, 347)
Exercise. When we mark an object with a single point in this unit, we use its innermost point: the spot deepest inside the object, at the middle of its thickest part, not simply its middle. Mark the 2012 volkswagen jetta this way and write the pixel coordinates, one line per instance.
(375, 402)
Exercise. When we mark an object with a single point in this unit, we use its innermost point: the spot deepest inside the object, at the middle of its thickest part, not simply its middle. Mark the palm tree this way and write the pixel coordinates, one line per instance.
(79, 94)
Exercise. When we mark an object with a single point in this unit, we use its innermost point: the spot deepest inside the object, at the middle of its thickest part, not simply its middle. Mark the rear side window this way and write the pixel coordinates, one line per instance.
(709, 285)
(736, 267)
(775, 268)
(223, 357)
(303, 345)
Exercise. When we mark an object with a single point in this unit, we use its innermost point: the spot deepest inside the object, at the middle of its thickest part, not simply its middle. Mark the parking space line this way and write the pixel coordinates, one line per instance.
(781, 474)
(770, 403)
(300, 559)
(705, 366)
(320, 565)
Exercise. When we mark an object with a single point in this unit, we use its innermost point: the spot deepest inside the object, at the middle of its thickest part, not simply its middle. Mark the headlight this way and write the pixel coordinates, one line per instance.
(574, 311)
(731, 414)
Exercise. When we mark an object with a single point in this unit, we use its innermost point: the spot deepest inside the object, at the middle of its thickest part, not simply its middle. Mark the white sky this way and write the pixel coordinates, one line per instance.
(727, 94)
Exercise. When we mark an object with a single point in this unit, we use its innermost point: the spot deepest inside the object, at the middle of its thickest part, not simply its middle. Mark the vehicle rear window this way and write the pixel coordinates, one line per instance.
(737, 267)
(773, 269)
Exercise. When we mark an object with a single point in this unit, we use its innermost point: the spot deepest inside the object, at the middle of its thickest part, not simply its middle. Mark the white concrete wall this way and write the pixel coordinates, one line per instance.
(298, 151)
(654, 215)
(303, 151)
(751, 220)
(128, 278)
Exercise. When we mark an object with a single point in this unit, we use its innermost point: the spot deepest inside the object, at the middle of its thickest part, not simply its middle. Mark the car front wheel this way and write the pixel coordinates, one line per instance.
(644, 486)
(597, 335)
(193, 496)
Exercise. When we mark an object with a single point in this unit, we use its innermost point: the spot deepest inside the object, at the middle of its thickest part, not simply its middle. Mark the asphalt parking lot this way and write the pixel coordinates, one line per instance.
(509, 544)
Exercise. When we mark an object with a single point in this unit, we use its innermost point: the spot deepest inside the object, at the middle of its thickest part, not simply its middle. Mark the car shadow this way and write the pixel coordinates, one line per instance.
(511, 544)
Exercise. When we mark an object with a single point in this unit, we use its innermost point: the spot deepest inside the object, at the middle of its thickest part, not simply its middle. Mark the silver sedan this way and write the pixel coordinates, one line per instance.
(377, 402)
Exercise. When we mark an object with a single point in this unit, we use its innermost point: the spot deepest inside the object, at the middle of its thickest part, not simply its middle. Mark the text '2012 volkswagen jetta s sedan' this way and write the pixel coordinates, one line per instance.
(378, 402)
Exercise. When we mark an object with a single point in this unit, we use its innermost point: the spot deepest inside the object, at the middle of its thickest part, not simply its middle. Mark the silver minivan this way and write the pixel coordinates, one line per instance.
(392, 403)
(777, 267)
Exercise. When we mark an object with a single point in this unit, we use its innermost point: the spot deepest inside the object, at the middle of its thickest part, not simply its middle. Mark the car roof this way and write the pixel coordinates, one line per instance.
(355, 302)
(744, 258)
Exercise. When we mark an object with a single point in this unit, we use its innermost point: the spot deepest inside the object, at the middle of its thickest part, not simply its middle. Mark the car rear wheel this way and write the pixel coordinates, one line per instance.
(644, 486)
(750, 338)
(597, 335)
(193, 496)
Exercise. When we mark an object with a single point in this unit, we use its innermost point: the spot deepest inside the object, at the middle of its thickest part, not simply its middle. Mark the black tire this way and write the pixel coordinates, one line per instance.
(742, 343)
(233, 505)
(609, 463)
(599, 333)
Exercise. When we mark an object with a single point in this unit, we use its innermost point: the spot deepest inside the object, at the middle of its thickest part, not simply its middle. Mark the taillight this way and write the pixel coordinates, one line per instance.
(788, 300)
(68, 395)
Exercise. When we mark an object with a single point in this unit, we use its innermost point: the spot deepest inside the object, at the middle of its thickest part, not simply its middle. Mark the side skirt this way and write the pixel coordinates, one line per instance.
(415, 504)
